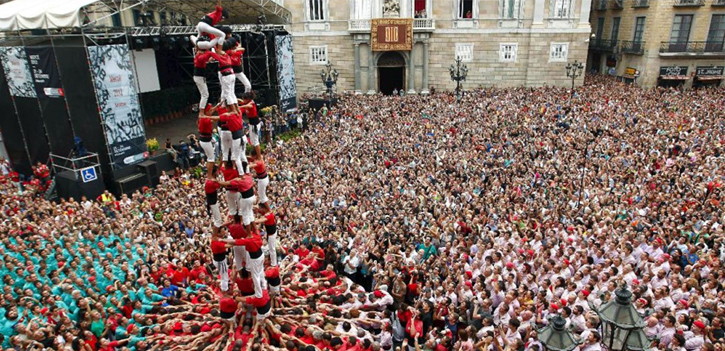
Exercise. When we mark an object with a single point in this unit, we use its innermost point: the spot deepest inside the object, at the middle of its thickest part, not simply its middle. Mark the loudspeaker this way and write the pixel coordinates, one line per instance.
(69, 187)
(128, 185)
(150, 169)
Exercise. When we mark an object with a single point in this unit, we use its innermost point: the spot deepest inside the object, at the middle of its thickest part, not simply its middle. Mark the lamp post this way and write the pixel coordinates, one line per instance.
(458, 74)
(555, 336)
(621, 324)
(574, 71)
(329, 78)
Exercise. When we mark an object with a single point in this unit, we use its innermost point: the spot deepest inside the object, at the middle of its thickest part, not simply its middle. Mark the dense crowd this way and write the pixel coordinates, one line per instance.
(414, 222)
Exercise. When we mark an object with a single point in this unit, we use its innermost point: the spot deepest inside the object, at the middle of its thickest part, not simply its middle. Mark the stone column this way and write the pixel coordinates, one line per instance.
(371, 72)
(539, 13)
(411, 70)
(357, 68)
(584, 13)
(424, 88)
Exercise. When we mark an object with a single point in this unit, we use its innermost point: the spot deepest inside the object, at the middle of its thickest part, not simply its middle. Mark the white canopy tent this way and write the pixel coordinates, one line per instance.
(41, 14)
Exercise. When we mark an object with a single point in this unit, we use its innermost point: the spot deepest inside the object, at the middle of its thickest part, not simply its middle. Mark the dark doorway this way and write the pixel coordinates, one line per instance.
(391, 78)
(391, 72)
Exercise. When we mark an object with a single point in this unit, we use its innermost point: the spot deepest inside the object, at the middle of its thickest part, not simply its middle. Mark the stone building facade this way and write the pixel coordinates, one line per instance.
(659, 42)
(502, 42)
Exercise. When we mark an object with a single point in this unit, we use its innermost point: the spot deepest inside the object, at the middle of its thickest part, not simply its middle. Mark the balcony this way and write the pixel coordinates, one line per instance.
(601, 5)
(718, 3)
(616, 4)
(603, 45)
(692, 48)
(632, 47)
(640, 3)
(419, 25)
(687, 3)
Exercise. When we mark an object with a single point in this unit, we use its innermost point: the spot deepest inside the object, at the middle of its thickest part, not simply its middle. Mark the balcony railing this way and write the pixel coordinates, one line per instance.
(693, 47)
(718, 3)
(419, 25)
(684, 3)
(601, 5)
(616, 4)
(640, 3)
(632, 47)
(604, 45)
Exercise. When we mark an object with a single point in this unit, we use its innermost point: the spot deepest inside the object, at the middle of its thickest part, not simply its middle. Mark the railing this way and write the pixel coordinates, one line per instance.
(605, 45)
(419, 24)
(632, 47)
(640, 3)
(692, 47)
(601, 5)
(617, 4)
(689, 2)
(718, 3)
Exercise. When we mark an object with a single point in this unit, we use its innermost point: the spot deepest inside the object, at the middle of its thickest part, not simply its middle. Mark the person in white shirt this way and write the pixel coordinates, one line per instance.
(350, 263)
(592, 342)
(695, 342)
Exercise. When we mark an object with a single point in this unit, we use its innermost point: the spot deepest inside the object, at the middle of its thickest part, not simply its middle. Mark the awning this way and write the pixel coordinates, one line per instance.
(41, 14)
(674, 77)
(710, 77)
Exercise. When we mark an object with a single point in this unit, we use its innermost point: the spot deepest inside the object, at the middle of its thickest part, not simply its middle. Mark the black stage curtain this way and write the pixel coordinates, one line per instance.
(12, 133)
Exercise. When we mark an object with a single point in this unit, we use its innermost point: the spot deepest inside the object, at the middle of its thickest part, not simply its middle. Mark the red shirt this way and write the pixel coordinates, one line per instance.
(260, 167)
(250, 111)
(246, 286)
(244, 183)
(233, 121)
(218, 247)
(215, 16)
(252, 243)
(236, 57)
(259, 301)
(237, 231)
(227, 304)
(271, 272)
(202, 58)
(205, 126)
(270, 220)
(211, 186)
(225, 61)
(229, 174)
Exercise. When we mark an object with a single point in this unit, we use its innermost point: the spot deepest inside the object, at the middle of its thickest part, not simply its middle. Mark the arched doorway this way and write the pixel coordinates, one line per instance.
(391, 72)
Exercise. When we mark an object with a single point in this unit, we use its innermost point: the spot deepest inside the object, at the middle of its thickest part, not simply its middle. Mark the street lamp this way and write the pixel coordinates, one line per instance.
(329, 78)
(621, 324)
(555, 336)
(574, 71)
(458, 74)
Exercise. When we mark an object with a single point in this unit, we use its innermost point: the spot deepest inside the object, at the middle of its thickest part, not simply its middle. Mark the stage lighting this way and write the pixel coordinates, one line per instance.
(139, 43)
(156, 43)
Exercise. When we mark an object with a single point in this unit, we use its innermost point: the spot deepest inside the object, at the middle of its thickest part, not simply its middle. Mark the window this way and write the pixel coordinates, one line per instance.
(509, 9)
(600, 28)
(638, 30)
(116, 20)
(507, 52)
(465, 9)
(363, 9)
(716, 35)
(420, 9)
(615, 29)
(318, 55)
(465, 52)
(681, 29)
(558, 52)
(316, 10)
(560, 8)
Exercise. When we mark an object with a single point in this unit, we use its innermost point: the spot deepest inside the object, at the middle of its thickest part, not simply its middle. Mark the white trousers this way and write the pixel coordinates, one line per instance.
(254, 134)
(219, 36)
(223, 274)
(256, 270)
(226, 139)
(240, 257)
(233, 202)
(216, 215)
(262, 189)
(208, 148)
(272, 246)
(245, 81)
(246, 209)
(203, 90)
(227, 84)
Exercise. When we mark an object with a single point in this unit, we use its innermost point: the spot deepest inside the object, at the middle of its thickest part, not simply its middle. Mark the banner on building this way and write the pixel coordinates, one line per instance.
(17, 71)
(45, 71)
(115, 85)
(704, 71)
(286, 73)
(392, 34)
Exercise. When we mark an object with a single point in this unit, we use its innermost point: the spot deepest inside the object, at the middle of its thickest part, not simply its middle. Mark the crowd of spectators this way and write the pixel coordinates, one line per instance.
(414, 222)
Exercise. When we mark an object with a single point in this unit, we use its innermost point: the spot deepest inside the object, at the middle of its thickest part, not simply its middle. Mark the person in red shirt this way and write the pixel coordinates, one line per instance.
(200, 61)
(263, 304)
(231, 136)
(228, 306)
(255, 259)
(206, 25)
(270, 227)
(273, 280)
(230, 173)
(236, 54)
(237, 231)
(260, 169)
(249, 107)
(211, 189)
(219, 255)
(245, 186)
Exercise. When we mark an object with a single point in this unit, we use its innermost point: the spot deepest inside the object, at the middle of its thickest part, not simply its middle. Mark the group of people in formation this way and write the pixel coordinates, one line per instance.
(236, 174)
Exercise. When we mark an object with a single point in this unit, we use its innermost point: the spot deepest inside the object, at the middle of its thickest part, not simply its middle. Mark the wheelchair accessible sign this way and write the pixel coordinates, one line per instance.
(89, 174)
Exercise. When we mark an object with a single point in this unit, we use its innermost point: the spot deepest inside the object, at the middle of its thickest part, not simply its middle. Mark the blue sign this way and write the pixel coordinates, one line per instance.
(89, 174)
